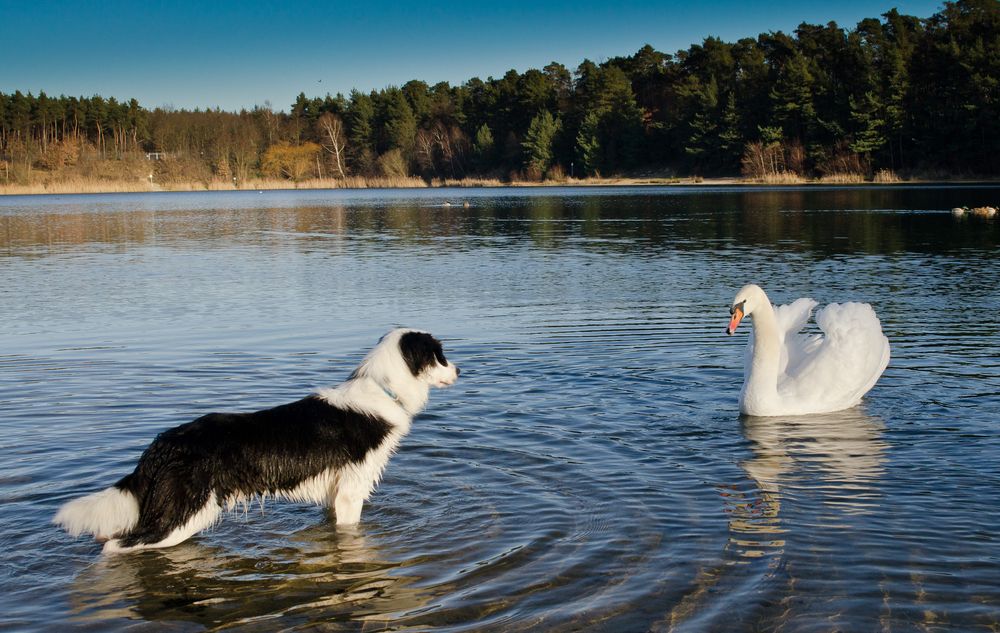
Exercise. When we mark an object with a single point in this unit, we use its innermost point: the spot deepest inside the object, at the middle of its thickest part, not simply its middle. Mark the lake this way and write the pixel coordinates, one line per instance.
(589, 471)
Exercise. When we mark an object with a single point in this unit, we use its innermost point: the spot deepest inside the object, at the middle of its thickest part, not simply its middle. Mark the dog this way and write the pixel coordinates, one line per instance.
(328, 448)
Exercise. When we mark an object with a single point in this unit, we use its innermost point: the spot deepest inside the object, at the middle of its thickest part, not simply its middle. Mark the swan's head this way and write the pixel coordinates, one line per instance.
(748, 298)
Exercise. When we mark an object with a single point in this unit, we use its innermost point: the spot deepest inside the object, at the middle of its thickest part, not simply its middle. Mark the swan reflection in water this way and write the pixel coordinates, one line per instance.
(835, 457)
(314, 575)
(839, 456)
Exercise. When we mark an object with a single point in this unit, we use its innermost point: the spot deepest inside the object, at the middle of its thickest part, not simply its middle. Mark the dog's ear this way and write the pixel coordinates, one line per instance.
(420, 351)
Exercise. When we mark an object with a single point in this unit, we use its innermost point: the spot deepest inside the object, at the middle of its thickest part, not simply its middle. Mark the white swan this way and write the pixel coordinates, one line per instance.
(791, 373)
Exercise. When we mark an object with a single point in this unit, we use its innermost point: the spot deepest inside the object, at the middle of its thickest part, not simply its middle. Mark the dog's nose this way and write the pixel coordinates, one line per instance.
(458, 371)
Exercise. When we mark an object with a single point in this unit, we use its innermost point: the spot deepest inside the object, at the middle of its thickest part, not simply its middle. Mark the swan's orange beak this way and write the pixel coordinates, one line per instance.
(735, 320)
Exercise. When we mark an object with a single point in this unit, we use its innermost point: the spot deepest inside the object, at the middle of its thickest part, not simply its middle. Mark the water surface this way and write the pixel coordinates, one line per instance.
(590, 470)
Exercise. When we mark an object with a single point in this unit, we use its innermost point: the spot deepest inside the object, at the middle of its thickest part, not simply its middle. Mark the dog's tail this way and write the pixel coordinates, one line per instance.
(105, 514)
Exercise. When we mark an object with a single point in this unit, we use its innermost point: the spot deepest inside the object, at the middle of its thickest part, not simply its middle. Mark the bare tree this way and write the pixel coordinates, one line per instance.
(270, 121)
(441, 150)
(424, 150)
(761, 160)
(334, 140)
(454, 144)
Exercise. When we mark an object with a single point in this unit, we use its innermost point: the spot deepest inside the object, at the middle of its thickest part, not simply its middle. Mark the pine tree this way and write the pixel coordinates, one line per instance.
(588, 144)
(703, 135)
(360, 119)
(484, 147)
(399, 122)
(730, 138)
(792, 99)
(538, 142)
(869, 136)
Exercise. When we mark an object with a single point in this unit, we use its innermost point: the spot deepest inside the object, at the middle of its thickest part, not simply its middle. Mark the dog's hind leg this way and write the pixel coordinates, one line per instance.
(157, 536)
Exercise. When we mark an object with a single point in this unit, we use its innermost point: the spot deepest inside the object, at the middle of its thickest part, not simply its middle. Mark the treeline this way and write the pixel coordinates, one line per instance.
(899, 93)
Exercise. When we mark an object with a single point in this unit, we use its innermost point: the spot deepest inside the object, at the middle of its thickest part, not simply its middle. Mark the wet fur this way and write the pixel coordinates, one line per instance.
(329, 448)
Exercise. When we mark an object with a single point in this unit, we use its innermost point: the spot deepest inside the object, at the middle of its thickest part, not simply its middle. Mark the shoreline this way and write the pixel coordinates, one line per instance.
(75, 188)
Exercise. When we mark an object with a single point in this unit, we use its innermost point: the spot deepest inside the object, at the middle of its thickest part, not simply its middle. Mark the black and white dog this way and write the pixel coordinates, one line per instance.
(329, 448)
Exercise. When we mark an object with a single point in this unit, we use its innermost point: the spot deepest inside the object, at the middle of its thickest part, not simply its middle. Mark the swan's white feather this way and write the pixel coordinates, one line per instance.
(797, 346)
(818, 373)
(794, 316)
(833, 371)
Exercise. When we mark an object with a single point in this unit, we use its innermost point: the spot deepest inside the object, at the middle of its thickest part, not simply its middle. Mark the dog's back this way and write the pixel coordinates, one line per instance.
(222, 459)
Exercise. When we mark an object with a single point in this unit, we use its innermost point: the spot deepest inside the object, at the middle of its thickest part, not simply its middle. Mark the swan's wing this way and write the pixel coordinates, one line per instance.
(842, 365)
(794, 316)
(795, 347)
(855, 332)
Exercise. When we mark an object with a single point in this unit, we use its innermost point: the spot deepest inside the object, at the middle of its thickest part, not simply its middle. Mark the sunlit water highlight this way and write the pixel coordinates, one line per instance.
(589, 471)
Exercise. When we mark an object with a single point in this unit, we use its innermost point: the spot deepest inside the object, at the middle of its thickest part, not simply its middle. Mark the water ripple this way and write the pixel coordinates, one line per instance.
(589, 471)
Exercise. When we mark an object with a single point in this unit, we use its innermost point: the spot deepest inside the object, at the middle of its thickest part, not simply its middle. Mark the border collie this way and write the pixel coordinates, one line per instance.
(329, 448)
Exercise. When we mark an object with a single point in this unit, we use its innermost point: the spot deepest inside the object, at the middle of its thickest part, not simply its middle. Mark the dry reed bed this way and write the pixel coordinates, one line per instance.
(882, 176)
(85, 185)
(842, 179)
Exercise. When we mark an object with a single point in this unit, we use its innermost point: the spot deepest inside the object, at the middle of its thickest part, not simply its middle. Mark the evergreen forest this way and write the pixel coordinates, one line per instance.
(918, 97)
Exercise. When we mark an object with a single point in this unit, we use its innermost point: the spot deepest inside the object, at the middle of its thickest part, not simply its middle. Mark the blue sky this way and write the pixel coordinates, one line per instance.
(241, 54)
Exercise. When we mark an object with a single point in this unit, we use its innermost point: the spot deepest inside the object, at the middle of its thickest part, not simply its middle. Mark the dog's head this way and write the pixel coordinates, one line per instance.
(407, 363)
(425, 359)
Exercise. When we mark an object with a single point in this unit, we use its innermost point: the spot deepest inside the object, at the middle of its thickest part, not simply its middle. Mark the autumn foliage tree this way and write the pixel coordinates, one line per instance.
(290, 161)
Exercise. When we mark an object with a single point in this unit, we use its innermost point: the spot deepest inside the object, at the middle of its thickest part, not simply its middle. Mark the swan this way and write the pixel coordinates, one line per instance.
(792, 373)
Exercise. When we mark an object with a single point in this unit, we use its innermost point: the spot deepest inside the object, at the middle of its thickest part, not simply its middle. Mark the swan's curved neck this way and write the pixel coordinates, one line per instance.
(763, 378)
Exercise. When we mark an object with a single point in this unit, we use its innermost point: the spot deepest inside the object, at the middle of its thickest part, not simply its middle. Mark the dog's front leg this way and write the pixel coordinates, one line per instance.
(348, 497)
(347, 505)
